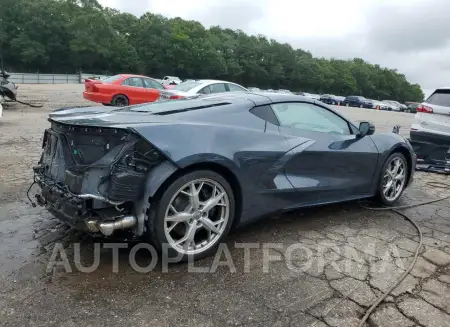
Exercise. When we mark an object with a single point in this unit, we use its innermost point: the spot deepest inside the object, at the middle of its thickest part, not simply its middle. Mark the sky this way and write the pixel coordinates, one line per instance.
(412, 36)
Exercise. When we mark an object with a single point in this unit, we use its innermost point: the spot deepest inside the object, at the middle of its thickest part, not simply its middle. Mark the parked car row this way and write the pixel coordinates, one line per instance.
(128, 89)
(362, 102)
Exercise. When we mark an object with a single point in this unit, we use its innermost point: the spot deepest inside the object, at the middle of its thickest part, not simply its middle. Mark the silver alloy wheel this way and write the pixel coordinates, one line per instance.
(197, 216)
(394, 179)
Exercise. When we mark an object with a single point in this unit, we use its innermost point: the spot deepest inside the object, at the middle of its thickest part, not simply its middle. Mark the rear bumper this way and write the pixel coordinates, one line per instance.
(432, 150)
(97, 97)
(64, 206)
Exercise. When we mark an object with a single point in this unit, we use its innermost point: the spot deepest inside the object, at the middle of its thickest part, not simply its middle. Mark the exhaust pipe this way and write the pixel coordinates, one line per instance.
(107, 228)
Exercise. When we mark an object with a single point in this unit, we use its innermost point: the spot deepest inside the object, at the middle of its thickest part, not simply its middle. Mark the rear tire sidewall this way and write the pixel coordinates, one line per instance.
(125, 98)
(157, 211)
(380, 195)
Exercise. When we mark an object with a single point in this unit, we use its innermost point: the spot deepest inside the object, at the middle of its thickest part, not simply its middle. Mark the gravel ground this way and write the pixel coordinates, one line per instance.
(326, 264)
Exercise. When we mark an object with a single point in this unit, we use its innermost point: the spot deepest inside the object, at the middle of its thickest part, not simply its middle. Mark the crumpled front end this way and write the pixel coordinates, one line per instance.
(94, 178)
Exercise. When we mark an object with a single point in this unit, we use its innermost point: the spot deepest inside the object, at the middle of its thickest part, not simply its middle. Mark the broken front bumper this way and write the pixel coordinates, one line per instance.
(432, 150)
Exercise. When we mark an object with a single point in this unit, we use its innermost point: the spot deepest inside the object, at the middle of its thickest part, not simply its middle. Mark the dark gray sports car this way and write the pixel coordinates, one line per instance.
(184, 172)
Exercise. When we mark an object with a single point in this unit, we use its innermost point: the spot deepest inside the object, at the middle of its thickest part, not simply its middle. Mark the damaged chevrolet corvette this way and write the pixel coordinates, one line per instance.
(185, 172)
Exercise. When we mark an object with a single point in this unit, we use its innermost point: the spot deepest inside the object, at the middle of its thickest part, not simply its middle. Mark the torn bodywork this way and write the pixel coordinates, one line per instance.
(96, 179)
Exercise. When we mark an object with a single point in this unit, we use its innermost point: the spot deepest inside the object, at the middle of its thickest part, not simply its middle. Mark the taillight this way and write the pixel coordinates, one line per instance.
(173, 97)
(424, 109)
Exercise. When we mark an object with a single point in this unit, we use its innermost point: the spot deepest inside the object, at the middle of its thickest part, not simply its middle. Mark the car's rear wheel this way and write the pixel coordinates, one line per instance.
(192, 216)
(393, 179)
(120, 100)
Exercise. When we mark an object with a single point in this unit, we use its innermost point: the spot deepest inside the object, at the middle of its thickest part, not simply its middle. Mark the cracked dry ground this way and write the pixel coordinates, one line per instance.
(345, 257)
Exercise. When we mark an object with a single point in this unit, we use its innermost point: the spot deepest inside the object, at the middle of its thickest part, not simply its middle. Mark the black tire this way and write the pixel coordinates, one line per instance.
(120, 100)
(380, 194)
(155, 224)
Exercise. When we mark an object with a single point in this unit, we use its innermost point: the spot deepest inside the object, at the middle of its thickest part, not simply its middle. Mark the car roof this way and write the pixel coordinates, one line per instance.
(222, 103)
(134, 75)
(205, 81)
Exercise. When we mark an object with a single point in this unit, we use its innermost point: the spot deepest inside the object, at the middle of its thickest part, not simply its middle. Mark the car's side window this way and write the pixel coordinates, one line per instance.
(266, 113)
(205, 90)
(235, 88)
(151, 84)
(307, 116)
(133, 81)
(217, 88)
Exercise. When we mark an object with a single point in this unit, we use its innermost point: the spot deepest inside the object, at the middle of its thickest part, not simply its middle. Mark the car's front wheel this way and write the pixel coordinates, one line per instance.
(192, 216)
(393, 179)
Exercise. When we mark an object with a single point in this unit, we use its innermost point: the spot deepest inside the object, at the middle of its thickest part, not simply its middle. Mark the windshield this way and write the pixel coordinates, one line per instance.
(111, 79)
(186, 86)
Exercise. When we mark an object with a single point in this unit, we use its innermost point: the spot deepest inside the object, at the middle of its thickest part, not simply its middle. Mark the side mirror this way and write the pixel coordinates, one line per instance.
(366, 128)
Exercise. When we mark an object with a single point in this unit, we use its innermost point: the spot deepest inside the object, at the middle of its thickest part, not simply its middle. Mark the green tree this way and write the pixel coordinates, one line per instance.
(69, 35)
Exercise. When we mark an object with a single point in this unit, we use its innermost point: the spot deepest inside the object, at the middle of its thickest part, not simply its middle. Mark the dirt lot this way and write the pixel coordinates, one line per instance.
(342, 277)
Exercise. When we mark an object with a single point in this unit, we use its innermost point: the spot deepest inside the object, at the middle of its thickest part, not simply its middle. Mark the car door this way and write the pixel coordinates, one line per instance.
(134, 90)
(153, 89)
(336, 164)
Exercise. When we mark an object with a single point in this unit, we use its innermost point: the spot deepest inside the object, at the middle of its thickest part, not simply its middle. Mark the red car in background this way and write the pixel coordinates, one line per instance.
(122, 90)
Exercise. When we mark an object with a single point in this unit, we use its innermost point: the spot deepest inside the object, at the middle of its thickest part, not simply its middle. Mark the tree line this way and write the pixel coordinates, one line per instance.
(65, 36)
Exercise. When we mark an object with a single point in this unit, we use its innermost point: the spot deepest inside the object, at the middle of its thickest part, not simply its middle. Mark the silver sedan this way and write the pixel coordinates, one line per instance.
(200, 87)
